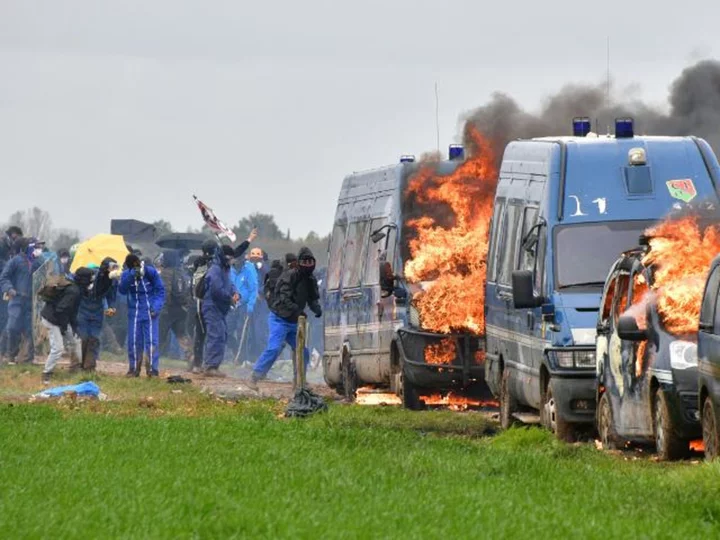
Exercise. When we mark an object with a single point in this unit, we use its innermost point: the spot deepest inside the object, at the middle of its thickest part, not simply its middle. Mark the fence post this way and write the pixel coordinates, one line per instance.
(299, 379)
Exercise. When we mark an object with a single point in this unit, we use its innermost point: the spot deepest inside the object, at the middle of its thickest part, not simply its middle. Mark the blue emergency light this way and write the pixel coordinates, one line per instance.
(624, 128)
(581, 126)
(456, 152)
(407, 159)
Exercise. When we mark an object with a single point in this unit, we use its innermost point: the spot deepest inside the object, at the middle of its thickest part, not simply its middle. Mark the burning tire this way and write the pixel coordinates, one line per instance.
(667, 443)
(551, 419)
(508, 405)
(711, 437)
(605, 426)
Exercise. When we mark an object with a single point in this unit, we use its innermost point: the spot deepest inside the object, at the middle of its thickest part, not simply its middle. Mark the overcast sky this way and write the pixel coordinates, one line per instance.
(113, 109)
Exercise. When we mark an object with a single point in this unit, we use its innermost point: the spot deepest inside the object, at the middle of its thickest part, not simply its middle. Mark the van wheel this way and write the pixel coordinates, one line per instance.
(410, 396)
(508, 404)
(605, 424)
(711, 437)
(349, 379)
(667, 443)
(551, 419)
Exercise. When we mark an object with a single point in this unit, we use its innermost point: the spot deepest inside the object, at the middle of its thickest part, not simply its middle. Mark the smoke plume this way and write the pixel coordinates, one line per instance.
(694, 109)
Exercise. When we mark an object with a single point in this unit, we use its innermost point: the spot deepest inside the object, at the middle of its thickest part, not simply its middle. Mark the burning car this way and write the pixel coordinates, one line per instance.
(647, 351)
(405, 279)
(709, 363)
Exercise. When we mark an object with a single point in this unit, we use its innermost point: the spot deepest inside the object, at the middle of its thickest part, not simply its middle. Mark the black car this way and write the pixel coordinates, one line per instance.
(709, 362)
(646, 377)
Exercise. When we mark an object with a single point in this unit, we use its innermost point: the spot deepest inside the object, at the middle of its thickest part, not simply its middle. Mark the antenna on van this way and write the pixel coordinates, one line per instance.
(437, 116)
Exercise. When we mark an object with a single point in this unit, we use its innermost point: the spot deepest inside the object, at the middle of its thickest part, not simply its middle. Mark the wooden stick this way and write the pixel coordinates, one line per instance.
(299, 380)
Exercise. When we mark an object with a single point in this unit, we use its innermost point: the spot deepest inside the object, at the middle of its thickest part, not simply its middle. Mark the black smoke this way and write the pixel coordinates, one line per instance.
(694, 109)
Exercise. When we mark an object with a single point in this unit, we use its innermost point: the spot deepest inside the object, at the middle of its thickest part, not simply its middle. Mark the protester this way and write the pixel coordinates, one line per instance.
(145, 298)
(62, 263)
(220, 295)
(296, 288)
(197, 287)
(245, 279)
(60, 318)
(177, 297)
(7, 252)
(16, 286)
(97, 301)
(257, 326)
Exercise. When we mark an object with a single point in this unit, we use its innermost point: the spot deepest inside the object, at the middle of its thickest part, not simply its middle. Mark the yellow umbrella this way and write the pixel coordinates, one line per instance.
(99, 247)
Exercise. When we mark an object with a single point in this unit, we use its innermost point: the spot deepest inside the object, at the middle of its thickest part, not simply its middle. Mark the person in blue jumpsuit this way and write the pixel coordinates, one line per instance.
(244, 277)
(145, 293)
(96, 301)
(220, 295)
(16, 286)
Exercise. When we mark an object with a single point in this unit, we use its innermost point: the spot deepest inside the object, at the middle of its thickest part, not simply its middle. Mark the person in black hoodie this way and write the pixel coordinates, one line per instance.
(59, 317)
(296, 288)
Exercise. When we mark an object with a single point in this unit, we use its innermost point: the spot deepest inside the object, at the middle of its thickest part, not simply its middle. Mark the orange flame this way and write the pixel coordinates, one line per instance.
(681, 253)
(697, 445)
(453, 255)
(369, 395)
(456, 402)
(442, 352)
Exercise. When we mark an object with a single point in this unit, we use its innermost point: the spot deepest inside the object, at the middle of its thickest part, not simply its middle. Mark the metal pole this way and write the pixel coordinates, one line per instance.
(299, 382)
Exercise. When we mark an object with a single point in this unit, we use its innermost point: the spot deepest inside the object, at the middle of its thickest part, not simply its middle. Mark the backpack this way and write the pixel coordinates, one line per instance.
(198, 281)
(53, 288)
(271, 279)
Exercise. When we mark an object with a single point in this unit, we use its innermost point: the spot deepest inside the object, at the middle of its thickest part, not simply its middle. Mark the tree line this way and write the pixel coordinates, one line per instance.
(271, 238)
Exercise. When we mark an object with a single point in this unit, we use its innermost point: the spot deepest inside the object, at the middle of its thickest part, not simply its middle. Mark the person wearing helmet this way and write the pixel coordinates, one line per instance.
(145, 293)
(220, 295)
(16, 286)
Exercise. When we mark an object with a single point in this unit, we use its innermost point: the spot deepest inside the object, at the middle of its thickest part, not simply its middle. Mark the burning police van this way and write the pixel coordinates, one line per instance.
(403, 306)
(565, 208)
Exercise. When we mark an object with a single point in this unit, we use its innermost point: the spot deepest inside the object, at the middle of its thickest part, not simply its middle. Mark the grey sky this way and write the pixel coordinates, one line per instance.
(126, 108)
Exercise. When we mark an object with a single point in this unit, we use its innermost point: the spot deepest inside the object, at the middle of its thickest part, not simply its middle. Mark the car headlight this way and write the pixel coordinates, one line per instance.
(683, 354)
(580, 359)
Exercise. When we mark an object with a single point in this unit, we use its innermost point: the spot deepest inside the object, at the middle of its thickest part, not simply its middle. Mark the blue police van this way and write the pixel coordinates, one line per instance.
(565, 208)
(373, 333)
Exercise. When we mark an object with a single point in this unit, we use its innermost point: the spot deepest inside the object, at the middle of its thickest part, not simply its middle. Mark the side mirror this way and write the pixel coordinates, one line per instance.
(522, 290)
(377, 236)
(627, 329)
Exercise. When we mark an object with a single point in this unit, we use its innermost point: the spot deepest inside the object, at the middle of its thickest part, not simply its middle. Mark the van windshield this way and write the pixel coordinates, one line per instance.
(585, 252)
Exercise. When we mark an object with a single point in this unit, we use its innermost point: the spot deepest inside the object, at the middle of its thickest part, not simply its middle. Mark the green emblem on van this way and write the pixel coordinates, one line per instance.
(683, 190)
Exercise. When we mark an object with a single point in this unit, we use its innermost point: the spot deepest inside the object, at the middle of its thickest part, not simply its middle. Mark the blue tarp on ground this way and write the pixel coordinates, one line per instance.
(83, 389)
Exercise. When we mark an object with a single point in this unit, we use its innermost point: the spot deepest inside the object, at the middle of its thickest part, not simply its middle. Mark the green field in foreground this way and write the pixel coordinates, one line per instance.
(241, 471)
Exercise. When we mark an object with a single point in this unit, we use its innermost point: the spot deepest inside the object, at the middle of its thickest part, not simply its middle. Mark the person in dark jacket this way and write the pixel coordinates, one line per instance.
(201, 265)
(97, 301)
(296, 289)
(59, 317)
(220, 296)
(145, 293)
(177, 296)
(16, 286)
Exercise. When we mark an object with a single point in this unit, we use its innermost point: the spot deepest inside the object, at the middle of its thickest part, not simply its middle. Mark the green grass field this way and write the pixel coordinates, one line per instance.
(187, 465)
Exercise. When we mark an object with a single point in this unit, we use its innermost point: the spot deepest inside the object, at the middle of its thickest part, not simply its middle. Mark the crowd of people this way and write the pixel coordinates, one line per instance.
(206, 306)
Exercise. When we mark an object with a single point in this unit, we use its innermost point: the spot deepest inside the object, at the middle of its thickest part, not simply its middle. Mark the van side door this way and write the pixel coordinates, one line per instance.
(709, 337)
(355, 301)
(335, 318)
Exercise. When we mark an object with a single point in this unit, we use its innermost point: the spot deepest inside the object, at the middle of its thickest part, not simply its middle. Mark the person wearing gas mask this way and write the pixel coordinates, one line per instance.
(145, 294)
(219, 297)
(296, 288)
(16, 286)
(96, 302)
(60, 318)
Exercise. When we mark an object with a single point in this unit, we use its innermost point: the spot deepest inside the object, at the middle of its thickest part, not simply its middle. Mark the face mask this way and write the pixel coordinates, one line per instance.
(258, 265)
(63, 260)
(37, 252)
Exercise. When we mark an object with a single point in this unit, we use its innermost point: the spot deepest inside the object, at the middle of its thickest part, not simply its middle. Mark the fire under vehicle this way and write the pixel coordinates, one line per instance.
(565, 208)
(373, 332)
(647, 379)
